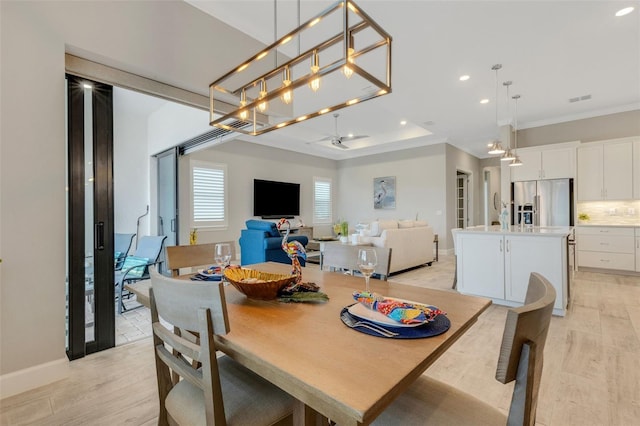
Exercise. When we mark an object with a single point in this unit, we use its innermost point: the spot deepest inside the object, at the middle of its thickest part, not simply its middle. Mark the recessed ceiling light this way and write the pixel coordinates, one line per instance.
(403, 122)
(484, 101)
(625, 11)
(350, 135)
(490, 144)
(464, 77)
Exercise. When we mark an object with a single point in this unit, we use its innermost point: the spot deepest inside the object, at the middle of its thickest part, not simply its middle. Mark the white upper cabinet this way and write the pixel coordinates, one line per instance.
(531, 166)
(590, 173)
(605, 171)
(554, 162)
(636, 174)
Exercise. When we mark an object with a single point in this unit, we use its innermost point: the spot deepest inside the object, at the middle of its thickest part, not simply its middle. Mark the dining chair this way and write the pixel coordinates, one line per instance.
(525, 333)
(193, 255)
(345, 256)
(221, 391)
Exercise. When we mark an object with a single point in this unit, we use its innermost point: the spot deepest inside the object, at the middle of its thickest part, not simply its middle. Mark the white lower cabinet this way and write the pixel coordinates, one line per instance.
(606, 247)
(525, 255)
(498, 266)
(481, 265)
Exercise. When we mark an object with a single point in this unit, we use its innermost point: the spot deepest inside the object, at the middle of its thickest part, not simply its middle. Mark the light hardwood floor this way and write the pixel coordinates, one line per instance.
(591, 371)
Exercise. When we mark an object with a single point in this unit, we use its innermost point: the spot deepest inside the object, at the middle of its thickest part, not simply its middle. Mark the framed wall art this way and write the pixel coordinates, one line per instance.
(384, 192)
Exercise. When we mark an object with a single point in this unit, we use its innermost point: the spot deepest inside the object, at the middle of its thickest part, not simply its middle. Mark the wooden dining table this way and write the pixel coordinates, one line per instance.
(331, 369)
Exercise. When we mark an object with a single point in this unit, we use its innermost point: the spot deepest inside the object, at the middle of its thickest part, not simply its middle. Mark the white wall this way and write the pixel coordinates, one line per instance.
(145, 38)
(245, 162)
(130, 169)
(420, 186)
(173, 124)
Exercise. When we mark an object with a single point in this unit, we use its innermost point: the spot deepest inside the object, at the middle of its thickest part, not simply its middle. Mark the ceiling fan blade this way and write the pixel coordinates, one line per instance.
(338, 144)
(352, 138)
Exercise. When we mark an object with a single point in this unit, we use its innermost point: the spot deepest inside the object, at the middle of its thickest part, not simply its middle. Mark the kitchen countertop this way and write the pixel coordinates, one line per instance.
(536, 231)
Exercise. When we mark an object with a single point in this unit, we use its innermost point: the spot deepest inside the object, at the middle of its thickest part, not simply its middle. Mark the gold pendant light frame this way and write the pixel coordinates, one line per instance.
(227, 89)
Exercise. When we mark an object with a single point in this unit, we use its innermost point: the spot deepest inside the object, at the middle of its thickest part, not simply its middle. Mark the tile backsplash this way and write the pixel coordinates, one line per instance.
(610, 212)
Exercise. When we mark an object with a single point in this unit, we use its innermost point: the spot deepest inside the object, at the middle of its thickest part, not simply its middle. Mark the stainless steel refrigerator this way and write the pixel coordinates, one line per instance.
(550, 201)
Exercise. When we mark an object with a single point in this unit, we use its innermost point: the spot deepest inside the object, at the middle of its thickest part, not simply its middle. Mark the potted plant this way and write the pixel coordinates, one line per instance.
(583, 217)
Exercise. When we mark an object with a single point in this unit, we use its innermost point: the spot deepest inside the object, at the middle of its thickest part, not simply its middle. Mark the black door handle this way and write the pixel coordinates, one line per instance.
(98, 236)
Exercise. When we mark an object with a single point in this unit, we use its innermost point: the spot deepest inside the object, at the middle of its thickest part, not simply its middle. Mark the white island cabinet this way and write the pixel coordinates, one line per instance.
(497, 264)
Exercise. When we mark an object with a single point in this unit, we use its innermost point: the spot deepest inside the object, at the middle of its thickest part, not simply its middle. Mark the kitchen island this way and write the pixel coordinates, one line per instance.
(497, 263)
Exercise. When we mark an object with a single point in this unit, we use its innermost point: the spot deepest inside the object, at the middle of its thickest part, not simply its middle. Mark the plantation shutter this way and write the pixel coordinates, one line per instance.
(208, 195)
(322, 200)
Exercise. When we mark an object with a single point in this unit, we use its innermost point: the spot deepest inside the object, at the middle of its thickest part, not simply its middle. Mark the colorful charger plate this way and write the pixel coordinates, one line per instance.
(439, 325)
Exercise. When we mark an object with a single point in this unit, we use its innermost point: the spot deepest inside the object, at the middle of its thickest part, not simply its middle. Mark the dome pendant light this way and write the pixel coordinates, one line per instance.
(496, 148)
(516, 161)
(508, 155)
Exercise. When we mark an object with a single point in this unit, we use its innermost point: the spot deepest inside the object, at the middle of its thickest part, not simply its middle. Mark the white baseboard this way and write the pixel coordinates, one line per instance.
(33, 377)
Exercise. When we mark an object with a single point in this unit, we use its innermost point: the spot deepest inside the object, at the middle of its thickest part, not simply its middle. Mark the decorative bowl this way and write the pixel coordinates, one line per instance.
(257, 284)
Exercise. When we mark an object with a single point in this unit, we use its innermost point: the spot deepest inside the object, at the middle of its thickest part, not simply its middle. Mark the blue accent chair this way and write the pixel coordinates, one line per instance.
(261, 242)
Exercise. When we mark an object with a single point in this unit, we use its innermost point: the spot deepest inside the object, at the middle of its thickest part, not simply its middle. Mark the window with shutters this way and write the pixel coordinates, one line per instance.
(208, 195)
(322, 200)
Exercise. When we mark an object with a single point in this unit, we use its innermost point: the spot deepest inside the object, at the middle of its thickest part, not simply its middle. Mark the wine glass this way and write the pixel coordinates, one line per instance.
(222, 256)
(367, 261)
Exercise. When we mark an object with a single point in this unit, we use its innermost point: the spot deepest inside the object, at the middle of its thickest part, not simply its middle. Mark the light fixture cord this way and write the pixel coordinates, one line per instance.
(275, 31)
(298, 27)
(496, 98)
(508, 113)
(516, 123)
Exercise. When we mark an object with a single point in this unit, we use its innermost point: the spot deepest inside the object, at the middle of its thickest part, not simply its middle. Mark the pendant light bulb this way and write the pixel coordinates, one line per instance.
(508, 155)
(286, 96)
(243, 102)
(346, 69)
(315, 67)
(262, 106)
(516, 162)
(496, 148)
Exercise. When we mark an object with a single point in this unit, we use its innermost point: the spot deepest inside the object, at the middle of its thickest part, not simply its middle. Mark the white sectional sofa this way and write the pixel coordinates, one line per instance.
(411, 242)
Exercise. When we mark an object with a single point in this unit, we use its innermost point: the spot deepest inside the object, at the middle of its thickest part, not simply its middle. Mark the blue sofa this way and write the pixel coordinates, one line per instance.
(261, 242)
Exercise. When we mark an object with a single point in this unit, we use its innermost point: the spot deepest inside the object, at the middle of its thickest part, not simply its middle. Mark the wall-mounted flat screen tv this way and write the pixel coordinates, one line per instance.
(273, 200)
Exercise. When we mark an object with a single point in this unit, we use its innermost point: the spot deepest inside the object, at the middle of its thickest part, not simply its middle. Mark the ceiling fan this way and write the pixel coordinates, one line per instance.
(336, 139)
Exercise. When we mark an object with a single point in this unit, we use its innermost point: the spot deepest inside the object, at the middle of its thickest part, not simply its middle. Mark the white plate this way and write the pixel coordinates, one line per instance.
(362, 312)
(204, 272)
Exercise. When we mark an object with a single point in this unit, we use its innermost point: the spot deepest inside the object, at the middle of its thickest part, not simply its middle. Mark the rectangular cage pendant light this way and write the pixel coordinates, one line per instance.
(282, 85)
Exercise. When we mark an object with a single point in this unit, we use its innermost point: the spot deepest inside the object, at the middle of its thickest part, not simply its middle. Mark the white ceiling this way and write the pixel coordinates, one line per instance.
(551, 50)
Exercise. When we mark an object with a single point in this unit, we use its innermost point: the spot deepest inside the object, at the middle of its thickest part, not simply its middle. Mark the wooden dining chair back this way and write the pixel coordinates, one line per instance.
(221, 391)
(192, 256)
(521, 352)
(429, 401)
(345, 256)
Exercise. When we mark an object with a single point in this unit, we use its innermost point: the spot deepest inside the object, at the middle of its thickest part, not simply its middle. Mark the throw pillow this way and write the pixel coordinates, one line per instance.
(132, 261)
(420, 223)
(263, 225)
(374, 229)
(387, 224)
(405, 224)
